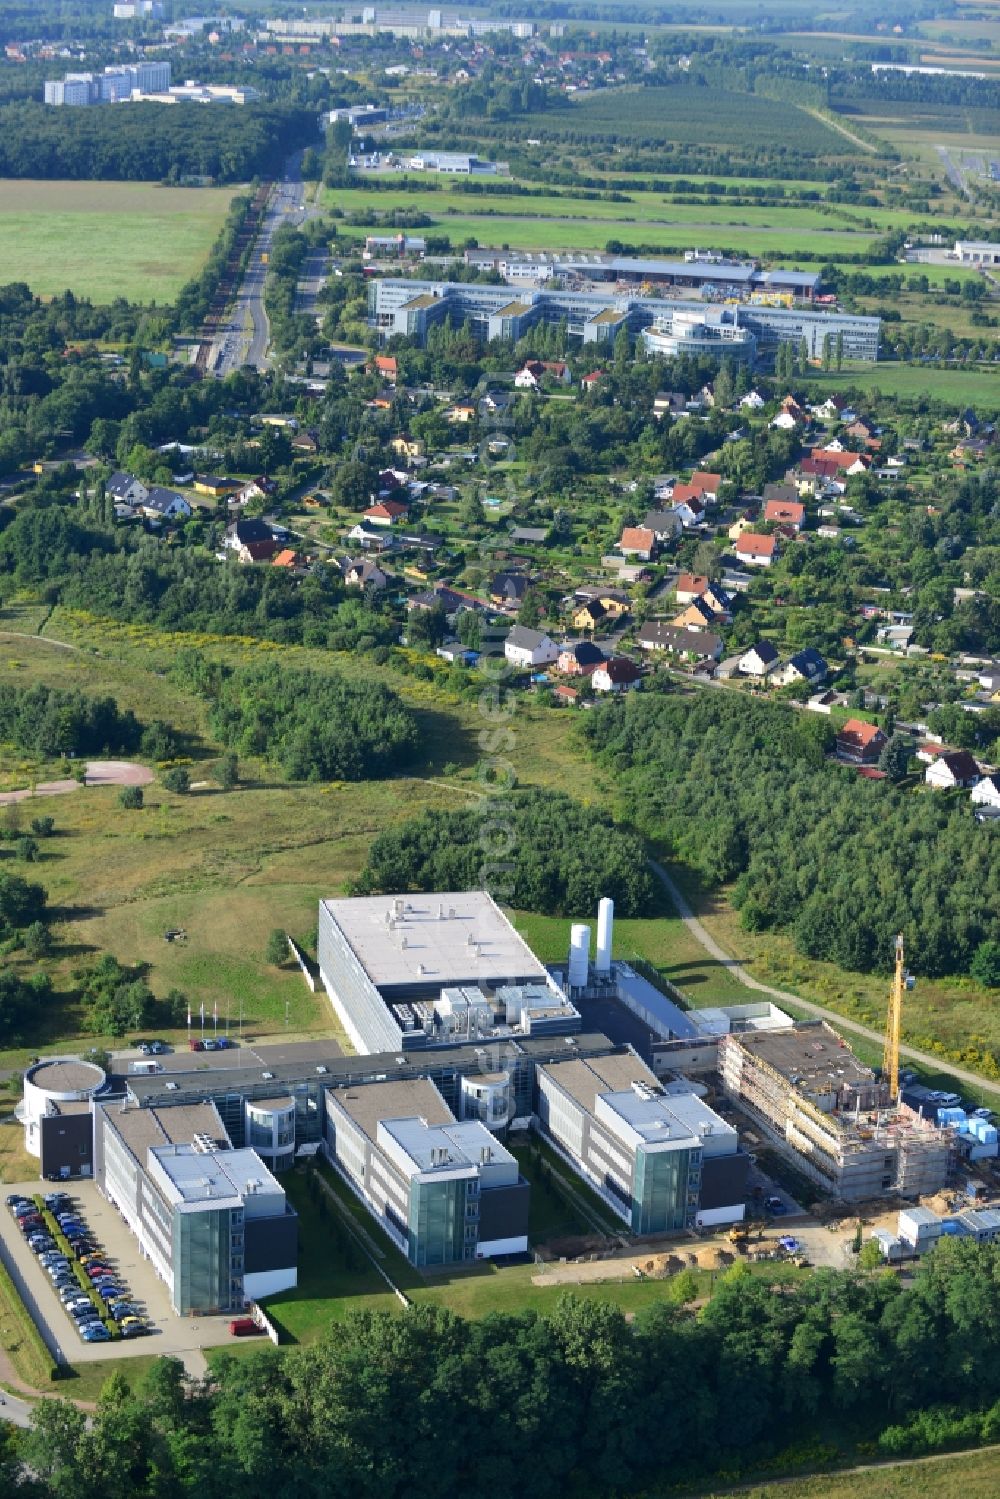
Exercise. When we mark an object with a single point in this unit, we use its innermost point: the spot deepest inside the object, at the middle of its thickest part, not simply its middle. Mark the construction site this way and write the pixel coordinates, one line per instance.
(809, 1092)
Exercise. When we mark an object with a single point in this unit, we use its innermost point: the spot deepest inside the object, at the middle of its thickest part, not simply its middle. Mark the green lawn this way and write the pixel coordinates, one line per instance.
(958, 387)
(107, 239)
(973, 1475)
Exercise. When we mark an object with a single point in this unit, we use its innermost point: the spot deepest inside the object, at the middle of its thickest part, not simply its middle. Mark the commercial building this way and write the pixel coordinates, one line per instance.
(445, 1190)
(56, 1114)
(129, 81)
(212, 1220)
(662, 1160)
(408, 972)
(717, 277)
(716, 331)
(811, 1094)
(410, 308)
(977, 252)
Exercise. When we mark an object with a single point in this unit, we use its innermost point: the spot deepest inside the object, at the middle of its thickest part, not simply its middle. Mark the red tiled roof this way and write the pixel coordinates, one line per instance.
(705, 483)
(754, 545)
(637, 538)
(860, 732)
(691, 583)
(785, 510)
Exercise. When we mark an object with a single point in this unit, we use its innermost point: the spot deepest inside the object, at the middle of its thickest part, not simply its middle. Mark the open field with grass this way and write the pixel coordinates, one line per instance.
(958, 387)
(103, 240)
(973, 1475)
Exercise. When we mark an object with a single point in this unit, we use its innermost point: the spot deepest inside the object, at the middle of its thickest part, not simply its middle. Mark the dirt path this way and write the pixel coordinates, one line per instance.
(708, 942)
(61, 645)
(99, 773)
(841, 130)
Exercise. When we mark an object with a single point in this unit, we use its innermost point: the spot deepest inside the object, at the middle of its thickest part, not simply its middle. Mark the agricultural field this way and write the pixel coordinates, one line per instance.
(103, 240)
(692, 116)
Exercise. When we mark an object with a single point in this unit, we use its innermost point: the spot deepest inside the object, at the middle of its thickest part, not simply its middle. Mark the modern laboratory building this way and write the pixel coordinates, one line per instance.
(408, 972)
(410, 308)
(445, 1190)
(213, 1221)
(660, 1157)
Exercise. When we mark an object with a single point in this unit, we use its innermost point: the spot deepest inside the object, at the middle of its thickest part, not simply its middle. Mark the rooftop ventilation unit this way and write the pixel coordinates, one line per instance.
(397, 908)
(171, 1087)
(267, 1076)
(321, 1070)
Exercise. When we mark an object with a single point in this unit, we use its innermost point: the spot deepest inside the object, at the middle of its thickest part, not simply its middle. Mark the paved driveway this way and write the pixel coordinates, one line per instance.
(181, 1336)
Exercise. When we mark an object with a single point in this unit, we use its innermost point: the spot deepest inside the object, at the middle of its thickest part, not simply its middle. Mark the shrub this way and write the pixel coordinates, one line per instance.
(131, 798)
(177, 780)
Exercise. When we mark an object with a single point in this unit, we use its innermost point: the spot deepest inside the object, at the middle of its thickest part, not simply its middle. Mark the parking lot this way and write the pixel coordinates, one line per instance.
(183, 1337)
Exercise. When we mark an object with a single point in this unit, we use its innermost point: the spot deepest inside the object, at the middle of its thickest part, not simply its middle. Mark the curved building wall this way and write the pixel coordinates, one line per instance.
(49, 1083)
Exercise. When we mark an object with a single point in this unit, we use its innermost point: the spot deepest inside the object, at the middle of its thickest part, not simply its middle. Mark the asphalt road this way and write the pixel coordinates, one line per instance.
(783, 996)
(244, 339)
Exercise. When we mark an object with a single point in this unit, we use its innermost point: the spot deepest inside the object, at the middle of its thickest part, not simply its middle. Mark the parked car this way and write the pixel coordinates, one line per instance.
(244, 1327)
(57, 1202)
(775, 1205)
(14, 1199)
(136, 1330)
(96, 1333)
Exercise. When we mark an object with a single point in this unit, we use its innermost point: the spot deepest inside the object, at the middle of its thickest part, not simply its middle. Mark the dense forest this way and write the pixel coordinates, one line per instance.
(741, 791)
(317, 726)
(46, 721)
(149, 142)
(577, 1403)
(547, 853)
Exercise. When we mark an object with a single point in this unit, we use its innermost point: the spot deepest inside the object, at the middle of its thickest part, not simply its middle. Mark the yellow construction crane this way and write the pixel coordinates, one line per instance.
(890, 1057)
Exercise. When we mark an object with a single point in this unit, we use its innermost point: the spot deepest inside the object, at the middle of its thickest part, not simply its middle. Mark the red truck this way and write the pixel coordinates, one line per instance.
(244, 1327)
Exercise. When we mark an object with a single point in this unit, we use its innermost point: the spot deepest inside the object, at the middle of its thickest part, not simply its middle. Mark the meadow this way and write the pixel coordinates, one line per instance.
(103, 240)
(685, 115)
(972, 1474)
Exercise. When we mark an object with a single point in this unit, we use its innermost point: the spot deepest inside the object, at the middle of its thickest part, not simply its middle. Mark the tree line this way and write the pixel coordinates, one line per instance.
(579, 1402)
(551, 855)
(49, 721)
(742, 792)
(149, 142)
(317, 726)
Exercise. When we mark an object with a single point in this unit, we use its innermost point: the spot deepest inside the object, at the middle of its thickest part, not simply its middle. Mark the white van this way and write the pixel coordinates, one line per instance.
(145, 1067)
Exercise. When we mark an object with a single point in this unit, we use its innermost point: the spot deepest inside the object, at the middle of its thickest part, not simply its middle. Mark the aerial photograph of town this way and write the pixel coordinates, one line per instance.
(499, 749)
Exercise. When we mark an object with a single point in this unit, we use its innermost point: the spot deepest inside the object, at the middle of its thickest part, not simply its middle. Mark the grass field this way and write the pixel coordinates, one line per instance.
(103, 240)
(973, 1475)
(958, 387)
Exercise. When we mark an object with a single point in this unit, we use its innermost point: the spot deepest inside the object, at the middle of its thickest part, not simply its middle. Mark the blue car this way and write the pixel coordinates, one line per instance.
(95, 1333)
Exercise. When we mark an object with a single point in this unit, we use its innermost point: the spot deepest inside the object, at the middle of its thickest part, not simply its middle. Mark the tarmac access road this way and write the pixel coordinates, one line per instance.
(244, 339)
(783, 996)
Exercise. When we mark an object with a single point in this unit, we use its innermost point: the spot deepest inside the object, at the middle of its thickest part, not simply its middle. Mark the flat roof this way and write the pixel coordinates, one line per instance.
(454, 937)
(513, 309)
(371, 1103)
(662, 1116)
(196, 1177)
(143, 1130)
(65, 1075)
(585, 1078)
(809, 1052)
(446, 1146)
(337, 1070)
(423, 299)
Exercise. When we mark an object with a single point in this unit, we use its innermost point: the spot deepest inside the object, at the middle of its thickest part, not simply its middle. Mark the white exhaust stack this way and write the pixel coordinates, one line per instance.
(579, 956)
(605, 931)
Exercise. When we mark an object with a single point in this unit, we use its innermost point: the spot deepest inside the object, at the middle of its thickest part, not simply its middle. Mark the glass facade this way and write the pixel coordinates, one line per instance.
(664, 1189)
(444, 1221)
(208, 1261)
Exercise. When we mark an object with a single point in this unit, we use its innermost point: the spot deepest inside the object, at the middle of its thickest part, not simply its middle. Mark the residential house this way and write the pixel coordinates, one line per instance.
(688, 504)
(364, 574)
(407, 448)
(251, 540)
(579, 659)
(616, 604)
(720, 602)
(956, 768)
(820, 476)
(690, 586)
(461, 413)
(287, 558)
(305, 442)
(896, 637)
(756, 550)
(496, 402)
(589, 381)
(706, 485)
(789, 419)
(657, 635)
(862, 430)
(663, 486)
(636, 541)
(666, 525)
(385, 513)
(569, 697)
(591, 615)
(454, 650)
(375, 539)
(986, 792)
(215, 485)
(387, 367)
(164, 504)
(260, 488)
(860, 743)
(760, 660)
(752, 401)
(524, 647)
(669, 403)
(741, 524)
(530, 535)
(804, 666)
(695, 616)
(783, 491)
(831, 409)
(617, 675)
(847, 462)
(509, 588)
(126, 489)
(791, 513)
(530, 376)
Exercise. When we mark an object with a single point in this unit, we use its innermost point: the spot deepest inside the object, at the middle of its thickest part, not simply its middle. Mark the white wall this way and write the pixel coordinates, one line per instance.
(712, 1216)
(270, 1282)
(516, 1245)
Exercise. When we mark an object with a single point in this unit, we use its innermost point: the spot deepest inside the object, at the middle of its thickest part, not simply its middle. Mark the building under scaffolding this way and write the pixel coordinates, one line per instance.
(811, 1094)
